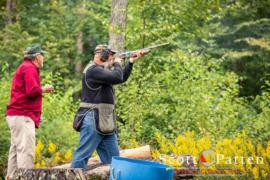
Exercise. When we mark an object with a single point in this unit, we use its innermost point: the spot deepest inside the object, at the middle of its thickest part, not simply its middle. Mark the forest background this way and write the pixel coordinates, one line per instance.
(212, 80)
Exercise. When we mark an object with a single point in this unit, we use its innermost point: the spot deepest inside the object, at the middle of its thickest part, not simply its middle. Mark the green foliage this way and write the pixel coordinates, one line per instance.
(13, 40)
(259, 127)
(5, 135)
(58, 112)
(224, 54)
(57, 32)
(188, 93)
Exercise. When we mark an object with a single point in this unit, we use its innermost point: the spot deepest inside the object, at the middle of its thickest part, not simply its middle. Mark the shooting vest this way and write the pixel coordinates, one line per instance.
(98, 97)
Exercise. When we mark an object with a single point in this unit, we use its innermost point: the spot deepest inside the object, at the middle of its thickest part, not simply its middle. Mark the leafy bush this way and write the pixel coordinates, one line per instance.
(186, 93)
(239, 153)
(58, 109)
(5, 135)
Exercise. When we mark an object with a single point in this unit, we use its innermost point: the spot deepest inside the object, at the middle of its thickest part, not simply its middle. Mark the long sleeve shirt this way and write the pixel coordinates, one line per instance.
(97, 82)
(26, 92)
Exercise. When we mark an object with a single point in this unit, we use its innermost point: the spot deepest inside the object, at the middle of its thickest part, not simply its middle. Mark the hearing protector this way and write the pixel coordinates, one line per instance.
(105, 54)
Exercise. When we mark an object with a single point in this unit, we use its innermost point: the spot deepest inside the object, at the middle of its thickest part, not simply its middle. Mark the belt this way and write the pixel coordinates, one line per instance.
(93, 105)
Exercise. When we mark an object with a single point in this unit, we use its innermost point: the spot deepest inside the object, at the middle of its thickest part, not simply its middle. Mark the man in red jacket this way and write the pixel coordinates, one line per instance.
(24, 109)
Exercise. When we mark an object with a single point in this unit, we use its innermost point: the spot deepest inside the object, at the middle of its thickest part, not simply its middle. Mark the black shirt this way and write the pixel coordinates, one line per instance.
(97, 82)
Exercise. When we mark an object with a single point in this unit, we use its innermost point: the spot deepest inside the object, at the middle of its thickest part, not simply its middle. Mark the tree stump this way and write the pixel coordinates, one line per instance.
(49, 174)
(100, 173)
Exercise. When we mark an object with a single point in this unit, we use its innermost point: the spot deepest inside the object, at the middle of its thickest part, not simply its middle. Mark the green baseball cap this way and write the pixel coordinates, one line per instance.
(34, 49)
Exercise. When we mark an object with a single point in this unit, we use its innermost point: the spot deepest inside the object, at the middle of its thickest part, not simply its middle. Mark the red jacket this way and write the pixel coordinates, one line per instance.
(26, 92)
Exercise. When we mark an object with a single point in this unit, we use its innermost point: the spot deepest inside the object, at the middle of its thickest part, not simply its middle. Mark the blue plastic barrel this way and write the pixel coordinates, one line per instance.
(135, 169)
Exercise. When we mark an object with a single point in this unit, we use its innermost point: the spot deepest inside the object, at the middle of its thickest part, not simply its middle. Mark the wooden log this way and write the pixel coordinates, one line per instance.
(49, 174)
(143, 152)
(101, 173)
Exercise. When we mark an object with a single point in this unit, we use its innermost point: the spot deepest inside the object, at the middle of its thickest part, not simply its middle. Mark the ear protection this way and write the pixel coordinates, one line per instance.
(105, 54)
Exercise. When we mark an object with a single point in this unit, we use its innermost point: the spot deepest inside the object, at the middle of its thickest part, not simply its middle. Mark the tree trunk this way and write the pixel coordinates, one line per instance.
(144, 24)
(10, 5)
(79, 41)
(78, 65)
(118, 24)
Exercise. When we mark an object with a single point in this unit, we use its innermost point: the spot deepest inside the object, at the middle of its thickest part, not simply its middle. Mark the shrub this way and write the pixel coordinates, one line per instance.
(255, 161)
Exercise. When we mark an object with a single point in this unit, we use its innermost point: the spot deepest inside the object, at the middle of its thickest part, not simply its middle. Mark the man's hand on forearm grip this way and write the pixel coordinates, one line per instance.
(137, 55)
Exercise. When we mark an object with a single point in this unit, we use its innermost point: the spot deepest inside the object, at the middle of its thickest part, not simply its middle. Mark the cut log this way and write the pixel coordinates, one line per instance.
(49, 174)
(102, 172)
(143, 152)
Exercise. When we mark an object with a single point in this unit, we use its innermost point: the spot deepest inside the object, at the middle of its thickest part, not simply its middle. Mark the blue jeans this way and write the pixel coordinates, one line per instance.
(106, 145)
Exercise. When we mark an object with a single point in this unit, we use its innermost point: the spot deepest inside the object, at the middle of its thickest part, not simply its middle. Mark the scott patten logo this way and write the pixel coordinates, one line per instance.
(207, 157)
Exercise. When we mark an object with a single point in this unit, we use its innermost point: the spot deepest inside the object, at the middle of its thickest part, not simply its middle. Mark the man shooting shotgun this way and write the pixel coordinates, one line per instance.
(95, 118)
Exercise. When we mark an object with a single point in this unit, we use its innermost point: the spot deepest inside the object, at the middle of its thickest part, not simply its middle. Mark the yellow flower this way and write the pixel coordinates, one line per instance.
(43, 163)
(95, 154)
(250, 146)
(155, 154)
(68, 155)
(230, 148)
(237, 141)
(51, 147)
(37, 165)
(268, 150)
(255, 172)
(38, 150)
(227, 142)
(264, 173)
(39, 146)
(134, 143)
(57, 157)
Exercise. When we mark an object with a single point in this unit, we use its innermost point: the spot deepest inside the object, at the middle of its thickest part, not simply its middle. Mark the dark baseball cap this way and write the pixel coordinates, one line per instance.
(34, 49)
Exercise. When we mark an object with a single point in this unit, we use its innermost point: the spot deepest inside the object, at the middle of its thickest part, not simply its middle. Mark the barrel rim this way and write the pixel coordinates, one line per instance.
(143, 162)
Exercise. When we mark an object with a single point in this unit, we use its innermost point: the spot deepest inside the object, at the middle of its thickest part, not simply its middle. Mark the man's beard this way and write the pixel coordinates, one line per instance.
(40, 64)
